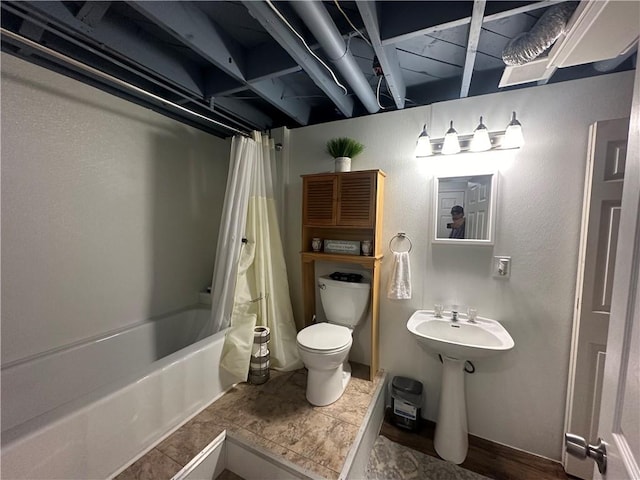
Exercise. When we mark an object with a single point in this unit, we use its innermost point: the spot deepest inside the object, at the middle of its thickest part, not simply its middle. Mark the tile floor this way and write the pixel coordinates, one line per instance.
(275, 416)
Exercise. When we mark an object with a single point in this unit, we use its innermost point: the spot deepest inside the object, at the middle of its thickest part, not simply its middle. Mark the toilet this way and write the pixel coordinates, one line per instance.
(324, 347)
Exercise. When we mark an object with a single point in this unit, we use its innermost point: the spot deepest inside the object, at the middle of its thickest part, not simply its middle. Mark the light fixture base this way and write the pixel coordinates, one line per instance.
(496, 139)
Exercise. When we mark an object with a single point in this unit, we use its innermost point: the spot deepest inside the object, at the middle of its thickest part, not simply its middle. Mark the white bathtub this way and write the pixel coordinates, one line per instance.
(86, 410)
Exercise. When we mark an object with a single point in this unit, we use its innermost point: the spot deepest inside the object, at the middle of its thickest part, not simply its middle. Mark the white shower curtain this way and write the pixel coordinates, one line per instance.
(262, 287)
(232, 224)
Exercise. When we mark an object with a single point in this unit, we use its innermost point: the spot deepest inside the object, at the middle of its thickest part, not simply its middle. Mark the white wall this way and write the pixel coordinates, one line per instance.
(110, 211)
(518, 398)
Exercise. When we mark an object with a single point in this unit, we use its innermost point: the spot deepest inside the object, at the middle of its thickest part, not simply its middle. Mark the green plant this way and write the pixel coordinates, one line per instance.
(344, 147)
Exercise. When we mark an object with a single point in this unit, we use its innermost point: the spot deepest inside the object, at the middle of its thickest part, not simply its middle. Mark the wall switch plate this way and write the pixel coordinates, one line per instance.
(501, 266)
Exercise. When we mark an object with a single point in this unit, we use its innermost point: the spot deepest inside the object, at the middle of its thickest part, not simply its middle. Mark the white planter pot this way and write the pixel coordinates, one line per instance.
(343, 164)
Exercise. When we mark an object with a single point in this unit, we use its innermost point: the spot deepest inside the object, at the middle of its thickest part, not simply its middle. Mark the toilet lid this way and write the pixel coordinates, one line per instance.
(324, 336)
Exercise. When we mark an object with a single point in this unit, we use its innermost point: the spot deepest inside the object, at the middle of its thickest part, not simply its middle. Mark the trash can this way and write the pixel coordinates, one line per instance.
(406, 402)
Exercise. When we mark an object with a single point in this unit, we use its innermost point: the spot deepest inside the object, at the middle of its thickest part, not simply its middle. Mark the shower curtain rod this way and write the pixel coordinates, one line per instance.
(106, 76)
(55, 30)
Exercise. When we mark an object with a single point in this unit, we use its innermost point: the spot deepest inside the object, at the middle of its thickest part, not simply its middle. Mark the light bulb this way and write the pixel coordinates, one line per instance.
(513, 137)
(481, 141)
(423, 145)
(451, 144)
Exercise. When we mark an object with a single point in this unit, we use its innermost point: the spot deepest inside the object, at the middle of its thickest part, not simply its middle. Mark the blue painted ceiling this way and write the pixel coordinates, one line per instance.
(223, 59)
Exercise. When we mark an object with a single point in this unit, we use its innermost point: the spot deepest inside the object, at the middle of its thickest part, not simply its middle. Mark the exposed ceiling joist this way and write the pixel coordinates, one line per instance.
(387, 55)
(92, 12)
(251, 115)
(125, 42)
(274, 91)
(472, 45)
(427, 29)
(187, 23)
(239, 62)
(280, 63)
(294, 47)
(498, 15)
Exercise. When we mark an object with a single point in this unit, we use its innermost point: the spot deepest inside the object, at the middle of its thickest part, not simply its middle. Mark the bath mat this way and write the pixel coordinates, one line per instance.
(392, 461)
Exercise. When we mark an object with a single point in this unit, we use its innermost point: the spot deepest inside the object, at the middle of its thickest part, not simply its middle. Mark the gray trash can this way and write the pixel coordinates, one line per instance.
(406, 402)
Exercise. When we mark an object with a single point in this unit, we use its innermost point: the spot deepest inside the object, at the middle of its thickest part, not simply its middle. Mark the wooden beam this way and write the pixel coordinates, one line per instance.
(191, 26)
(274, 91)
(472, 45)
(466, 19)
(387, 55)
(92, 12)
(117, 37)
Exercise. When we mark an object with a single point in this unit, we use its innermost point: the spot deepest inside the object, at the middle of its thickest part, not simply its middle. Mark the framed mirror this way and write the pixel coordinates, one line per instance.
(464, 209)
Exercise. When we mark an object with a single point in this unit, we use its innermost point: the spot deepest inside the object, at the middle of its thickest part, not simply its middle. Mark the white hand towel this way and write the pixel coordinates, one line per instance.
(400, 281)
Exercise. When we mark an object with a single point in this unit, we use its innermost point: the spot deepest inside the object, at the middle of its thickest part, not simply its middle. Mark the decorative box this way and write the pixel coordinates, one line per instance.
(347, 247)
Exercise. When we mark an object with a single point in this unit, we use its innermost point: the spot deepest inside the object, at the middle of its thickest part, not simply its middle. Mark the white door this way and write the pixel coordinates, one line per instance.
(600, 221)
(477, 207)
(619, 426)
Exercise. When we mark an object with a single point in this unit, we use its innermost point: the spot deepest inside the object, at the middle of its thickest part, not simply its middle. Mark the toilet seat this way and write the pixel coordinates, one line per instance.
(324, 338)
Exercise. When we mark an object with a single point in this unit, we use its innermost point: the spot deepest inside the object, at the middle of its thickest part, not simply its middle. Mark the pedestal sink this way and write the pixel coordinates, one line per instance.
(457, 342)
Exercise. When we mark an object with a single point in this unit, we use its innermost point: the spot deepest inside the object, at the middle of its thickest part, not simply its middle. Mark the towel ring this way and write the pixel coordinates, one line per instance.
(400, 236)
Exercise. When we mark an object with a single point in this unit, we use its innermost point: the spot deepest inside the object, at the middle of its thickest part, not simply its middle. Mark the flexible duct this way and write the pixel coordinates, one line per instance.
(528, 46)
(319, 22)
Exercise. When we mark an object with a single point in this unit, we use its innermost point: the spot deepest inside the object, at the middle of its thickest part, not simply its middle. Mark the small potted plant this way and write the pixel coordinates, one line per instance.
(343, 149)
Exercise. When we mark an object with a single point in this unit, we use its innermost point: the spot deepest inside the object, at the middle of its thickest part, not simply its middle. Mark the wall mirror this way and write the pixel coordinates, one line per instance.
(464, 209)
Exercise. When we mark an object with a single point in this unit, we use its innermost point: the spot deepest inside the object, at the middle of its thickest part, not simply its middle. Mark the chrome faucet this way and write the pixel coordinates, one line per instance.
(454, 315)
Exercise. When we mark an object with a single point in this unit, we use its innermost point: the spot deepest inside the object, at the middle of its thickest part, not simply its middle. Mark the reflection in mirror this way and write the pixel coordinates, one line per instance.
(464, 209)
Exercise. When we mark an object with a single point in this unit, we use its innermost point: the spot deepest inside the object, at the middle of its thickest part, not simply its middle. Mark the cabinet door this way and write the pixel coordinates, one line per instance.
(319, 199)
(356, 199)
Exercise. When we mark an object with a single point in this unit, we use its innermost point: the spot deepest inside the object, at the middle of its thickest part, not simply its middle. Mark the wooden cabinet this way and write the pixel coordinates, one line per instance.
(345, 200)
(343, 206)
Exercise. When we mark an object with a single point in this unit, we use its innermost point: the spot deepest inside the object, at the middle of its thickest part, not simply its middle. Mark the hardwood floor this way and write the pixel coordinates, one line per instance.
(486, 458)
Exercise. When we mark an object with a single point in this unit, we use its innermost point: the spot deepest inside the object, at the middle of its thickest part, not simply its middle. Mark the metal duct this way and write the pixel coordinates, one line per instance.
(528, 46)
(318, 20)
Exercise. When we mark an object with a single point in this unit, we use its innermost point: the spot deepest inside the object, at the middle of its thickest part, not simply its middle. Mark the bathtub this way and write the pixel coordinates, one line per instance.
(87, 410)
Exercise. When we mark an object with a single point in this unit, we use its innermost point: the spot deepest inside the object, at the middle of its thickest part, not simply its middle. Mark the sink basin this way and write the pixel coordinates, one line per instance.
(461, 340)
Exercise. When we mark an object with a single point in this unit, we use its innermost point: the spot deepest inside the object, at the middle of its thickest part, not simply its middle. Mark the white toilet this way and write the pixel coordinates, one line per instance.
(324, 347)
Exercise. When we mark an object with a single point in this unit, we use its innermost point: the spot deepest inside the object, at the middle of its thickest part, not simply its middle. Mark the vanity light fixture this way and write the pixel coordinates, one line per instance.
(480, 140)
(513, 136)
(451, 143)
(423, 145)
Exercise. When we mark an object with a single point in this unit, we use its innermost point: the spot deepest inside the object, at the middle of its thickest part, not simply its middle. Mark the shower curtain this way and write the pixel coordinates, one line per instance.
(232, 225)
(261, 286)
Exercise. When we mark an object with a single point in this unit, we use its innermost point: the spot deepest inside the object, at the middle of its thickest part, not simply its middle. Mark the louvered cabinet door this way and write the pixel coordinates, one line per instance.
(319, 200)
(356, 199)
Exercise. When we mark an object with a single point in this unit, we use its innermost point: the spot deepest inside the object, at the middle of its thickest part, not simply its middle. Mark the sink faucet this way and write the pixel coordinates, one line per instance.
(454, 315)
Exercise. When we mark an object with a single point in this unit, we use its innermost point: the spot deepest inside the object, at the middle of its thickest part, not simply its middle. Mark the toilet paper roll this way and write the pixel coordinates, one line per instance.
(260, 350)
(261, 336)
(259, 366)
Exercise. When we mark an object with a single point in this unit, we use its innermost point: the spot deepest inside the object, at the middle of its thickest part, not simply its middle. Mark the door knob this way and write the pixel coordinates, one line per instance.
(578, 447)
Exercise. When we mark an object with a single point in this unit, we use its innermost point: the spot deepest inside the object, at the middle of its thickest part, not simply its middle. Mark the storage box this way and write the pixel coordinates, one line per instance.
(347, 247)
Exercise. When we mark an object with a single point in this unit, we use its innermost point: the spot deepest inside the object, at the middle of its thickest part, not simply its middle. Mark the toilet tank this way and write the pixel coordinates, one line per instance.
(344, 303)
